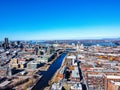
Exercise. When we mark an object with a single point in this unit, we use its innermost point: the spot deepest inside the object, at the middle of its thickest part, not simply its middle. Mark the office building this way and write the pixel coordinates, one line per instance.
(6, 43)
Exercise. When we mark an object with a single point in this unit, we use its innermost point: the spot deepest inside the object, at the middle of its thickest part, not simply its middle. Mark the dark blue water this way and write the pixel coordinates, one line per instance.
(40, 42)
(95, 43)
(100, 43)
(43, 82)
(84, 43)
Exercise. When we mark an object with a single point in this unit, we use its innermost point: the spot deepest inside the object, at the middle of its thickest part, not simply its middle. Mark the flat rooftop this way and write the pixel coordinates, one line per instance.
(113, 77)
(3, 84)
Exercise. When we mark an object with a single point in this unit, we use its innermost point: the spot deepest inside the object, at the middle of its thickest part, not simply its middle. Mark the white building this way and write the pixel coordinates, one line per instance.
(76, 86)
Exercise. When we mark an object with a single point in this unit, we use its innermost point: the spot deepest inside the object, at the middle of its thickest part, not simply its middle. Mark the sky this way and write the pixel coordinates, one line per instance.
(59, 19)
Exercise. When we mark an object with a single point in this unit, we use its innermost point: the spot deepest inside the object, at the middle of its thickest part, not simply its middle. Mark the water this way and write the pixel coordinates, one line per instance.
(43, 82)
(100, 43)
(87, 43)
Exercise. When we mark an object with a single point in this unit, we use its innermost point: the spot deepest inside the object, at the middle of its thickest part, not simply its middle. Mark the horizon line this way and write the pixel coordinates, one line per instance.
(103, 38)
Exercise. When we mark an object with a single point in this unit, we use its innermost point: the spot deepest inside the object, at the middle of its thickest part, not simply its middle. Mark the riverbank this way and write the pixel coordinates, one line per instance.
(47, 75)
(47, 65)
(32, 81)
(54, 77)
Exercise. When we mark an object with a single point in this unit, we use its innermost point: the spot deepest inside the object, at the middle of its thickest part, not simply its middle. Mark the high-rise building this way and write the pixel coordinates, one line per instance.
(6, 43)
(6, 40)
(36, 50)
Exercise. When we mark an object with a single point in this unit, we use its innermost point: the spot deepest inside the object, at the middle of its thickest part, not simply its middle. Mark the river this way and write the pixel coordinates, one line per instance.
(47, 75)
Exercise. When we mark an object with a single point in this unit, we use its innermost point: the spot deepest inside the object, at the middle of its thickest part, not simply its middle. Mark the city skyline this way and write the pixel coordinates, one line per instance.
(51, 20)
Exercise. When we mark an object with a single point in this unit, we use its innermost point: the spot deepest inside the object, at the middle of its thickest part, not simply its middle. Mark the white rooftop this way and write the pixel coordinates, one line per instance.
(4, 83)
(113, 77)
(117, 83)
(71, 57)
(94, 75)
(75, 73)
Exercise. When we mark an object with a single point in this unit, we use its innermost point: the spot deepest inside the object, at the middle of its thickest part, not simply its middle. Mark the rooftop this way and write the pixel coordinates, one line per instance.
(113, 77)
(4, 83)
(75, 73)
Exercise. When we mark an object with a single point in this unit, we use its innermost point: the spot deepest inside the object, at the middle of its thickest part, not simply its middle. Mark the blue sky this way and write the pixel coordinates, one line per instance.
(59, 19)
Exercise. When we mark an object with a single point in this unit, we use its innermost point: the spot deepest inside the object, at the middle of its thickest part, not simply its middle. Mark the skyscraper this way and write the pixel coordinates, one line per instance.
(6, 42)
(36, 50)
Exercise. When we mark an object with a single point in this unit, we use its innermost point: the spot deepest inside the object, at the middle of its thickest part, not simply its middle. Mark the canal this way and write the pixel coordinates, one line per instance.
(47, 75)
